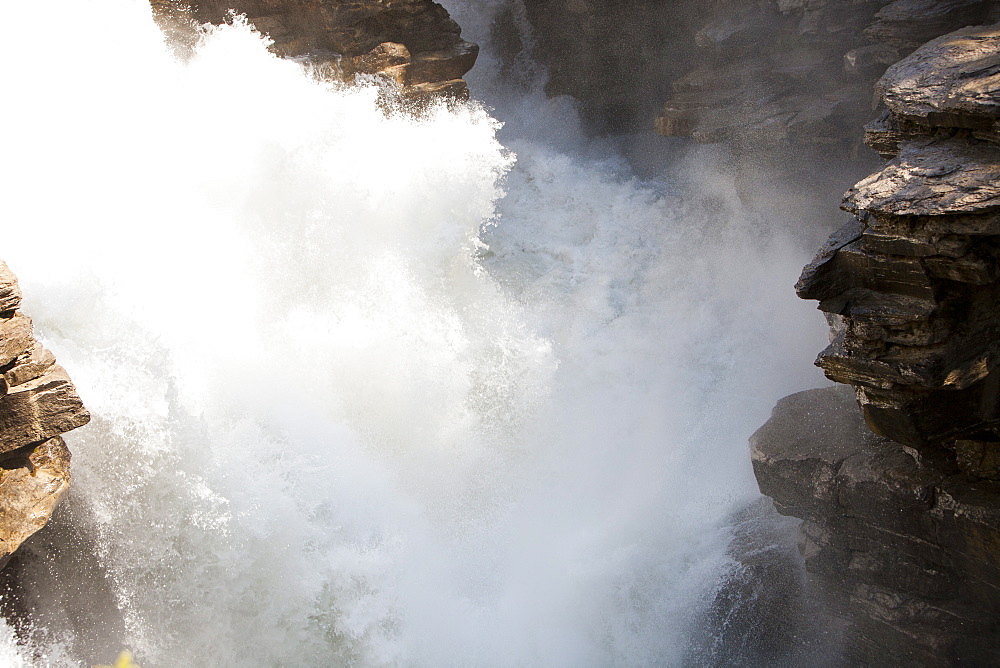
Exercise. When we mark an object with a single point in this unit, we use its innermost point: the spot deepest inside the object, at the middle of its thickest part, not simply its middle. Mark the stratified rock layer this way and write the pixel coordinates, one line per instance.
(412, 42)
(32, 482)
(37, 403)
(800, 71)
(901, 502)
(901, 542)
(915, 277)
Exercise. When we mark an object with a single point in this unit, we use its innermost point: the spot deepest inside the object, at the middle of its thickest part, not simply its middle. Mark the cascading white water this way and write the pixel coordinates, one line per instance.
(369, 388)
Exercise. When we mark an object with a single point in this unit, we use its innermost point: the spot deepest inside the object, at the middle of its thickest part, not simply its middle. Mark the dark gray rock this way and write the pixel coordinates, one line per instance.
(901, 542)
(796, 455)
(951, 82)
(907, 24)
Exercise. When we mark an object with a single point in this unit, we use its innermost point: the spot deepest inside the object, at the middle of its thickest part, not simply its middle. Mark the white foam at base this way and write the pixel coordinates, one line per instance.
(352, 404)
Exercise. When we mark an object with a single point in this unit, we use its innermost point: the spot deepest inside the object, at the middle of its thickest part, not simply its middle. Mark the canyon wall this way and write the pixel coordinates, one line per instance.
(780, 86)
(901, 501)
(759, 72)
(800, 71)
(411, 42)
(37, 403)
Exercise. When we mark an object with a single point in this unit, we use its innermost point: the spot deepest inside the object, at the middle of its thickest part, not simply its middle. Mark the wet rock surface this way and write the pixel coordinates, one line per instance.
(899, 542)
(765, 612)
(413, 43)
(37, 403)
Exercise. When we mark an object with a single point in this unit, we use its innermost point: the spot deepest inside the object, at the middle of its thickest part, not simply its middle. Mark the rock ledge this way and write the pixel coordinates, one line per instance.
(37, 403)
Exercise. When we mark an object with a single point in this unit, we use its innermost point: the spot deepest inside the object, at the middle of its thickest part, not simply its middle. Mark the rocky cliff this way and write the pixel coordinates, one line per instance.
(901, 501)
(800, 71)
(37, 404)
(411, 42)
(759, 72)
(616, 59)
(913, 278)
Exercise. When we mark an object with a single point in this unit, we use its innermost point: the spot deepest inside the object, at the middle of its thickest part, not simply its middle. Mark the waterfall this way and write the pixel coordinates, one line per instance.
(369, 387)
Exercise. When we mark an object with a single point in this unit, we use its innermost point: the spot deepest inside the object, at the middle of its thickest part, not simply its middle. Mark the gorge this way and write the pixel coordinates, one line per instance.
(394, 361)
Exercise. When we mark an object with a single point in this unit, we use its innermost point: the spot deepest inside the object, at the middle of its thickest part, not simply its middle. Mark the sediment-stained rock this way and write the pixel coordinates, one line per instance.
(411, 42)
(37, 403)
(10, 293)
(40, 409)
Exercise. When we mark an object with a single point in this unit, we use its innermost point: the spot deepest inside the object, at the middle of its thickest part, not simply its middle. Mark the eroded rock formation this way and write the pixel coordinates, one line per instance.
(800, 71)
(412, 42)
(898, 541)
(901, 501)
(37, 404)
(915, 276)
(616, 59)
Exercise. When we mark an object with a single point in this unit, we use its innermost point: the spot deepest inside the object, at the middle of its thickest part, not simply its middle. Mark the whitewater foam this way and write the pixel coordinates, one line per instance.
(366, 387)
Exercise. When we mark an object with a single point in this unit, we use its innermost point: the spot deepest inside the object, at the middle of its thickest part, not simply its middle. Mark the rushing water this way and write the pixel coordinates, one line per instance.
(366, 387)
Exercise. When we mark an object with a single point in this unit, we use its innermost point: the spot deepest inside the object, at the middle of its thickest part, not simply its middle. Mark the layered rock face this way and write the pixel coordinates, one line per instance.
(37, 403)
(616, 58)
(901, 501)
(412, 42)
(914, 277)
(756, 72)
(800, 71)
(898, 542)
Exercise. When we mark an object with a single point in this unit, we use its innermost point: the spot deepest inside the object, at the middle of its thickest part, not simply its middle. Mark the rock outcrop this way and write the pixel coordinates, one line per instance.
(914, 277)
(901, 500)
(899, 542)
(411, 42)
(617, 59)
(800, 71)
(37, 404)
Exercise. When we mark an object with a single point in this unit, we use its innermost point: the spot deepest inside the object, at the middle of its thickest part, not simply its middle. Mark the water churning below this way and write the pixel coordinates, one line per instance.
(369, 388)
